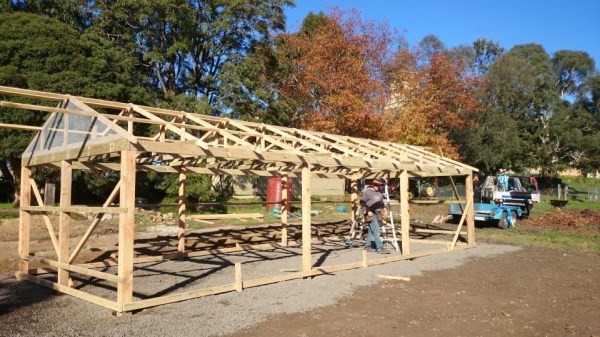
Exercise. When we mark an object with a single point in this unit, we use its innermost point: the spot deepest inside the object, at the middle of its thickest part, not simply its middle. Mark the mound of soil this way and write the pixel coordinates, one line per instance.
(571, 220)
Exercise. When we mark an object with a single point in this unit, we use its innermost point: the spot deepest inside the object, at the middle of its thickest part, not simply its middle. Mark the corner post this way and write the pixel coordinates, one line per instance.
(404, 216)
(470, 211)
(64, 220)
(126, 228)
(24, 218)
(306, 219)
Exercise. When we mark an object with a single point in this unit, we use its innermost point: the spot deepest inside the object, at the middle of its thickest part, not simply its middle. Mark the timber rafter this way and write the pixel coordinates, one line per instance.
(214, 144)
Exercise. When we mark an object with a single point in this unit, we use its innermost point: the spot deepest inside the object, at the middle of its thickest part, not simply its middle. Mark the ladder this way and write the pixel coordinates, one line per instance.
(384, 234)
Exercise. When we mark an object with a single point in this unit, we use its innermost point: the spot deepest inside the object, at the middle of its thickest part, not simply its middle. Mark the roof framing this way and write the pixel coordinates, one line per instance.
(221, 145)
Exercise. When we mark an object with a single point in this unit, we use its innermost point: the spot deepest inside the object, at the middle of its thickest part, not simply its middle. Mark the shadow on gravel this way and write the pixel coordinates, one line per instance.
(15, 294)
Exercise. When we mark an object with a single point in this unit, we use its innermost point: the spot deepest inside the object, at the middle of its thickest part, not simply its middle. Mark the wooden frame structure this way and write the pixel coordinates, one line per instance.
(91, 134)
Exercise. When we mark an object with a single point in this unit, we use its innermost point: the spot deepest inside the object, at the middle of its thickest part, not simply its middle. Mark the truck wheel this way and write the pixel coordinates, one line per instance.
(503, 222)
(513, 215)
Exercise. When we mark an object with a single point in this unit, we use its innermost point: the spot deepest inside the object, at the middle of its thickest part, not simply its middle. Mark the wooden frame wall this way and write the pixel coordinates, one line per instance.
(217, 146)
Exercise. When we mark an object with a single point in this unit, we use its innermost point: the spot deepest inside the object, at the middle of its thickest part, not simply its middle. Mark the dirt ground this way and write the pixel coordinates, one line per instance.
(531, 292)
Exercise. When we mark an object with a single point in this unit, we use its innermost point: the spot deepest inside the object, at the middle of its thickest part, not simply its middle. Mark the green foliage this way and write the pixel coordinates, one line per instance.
(485, 54)
(313, 22)
(44, 54)
(195, 52)
(198, 187)
(572, 68)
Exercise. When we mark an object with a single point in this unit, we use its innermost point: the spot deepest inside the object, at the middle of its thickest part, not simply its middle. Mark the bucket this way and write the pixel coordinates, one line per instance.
(274, 188)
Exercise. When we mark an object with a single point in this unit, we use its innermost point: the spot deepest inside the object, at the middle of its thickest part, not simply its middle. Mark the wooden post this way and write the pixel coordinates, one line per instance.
(126, 228)
(64, 220)
(404, 216)
(470, 211)
(306, 225)
(238, 277)
(181, 212)
(284, 212)
(365, 260)
(353, 198)
(24, 219)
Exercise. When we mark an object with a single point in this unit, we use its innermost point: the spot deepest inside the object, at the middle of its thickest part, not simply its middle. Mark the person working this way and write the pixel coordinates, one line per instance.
(372, 203)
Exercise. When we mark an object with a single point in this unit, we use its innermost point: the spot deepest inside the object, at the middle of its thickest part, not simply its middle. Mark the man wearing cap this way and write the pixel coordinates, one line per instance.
(372, 202)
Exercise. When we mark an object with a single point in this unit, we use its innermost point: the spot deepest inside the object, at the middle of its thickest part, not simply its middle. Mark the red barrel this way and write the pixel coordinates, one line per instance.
(274, 188)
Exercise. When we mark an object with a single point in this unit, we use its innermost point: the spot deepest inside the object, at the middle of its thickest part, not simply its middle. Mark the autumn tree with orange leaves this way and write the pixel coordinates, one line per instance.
(327, 72)
(339, 74)
(427, 101)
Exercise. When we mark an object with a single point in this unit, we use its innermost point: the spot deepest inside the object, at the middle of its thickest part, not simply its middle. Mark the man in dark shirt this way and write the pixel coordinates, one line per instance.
(372, 202)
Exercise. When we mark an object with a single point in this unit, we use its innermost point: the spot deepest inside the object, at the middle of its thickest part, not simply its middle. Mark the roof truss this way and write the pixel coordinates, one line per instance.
(213, 144)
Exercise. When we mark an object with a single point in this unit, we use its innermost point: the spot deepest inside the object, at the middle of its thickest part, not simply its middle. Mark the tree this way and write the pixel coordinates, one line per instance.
(75, 13)
(429, 46)
(485, 54)
(428, 102)
(572, 68)
(521, 83)
(327, 75)
(43, 54)
(193, 50)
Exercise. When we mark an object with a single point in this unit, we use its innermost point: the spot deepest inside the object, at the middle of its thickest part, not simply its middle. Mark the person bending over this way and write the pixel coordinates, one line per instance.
(372, 203)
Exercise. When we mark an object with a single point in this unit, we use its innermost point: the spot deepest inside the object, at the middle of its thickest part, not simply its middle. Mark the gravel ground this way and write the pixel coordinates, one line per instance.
(29, 310)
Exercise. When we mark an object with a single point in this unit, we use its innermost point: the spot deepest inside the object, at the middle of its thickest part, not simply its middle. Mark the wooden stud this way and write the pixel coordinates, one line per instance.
(284, 211)
(181, 211)
(238, 277)
(468, 208)
(64, 222)
(24, 218)
(306, 220)
(471, 213)
(404, 216)
(126, 228)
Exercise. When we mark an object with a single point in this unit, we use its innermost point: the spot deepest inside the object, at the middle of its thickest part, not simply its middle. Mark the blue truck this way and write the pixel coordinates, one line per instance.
(506, 216)
(503, 199)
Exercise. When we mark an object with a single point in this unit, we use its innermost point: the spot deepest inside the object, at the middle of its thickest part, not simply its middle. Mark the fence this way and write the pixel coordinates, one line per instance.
(594, 194)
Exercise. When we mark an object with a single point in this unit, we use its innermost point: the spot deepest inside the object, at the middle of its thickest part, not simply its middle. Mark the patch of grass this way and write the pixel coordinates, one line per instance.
(574, 203)
(547, 239)
(10, 211)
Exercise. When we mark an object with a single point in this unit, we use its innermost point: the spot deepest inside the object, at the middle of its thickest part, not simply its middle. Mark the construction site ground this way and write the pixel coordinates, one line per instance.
(491, 290)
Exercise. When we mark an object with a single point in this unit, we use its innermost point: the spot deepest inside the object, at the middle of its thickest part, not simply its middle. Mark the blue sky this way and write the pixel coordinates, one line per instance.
(572, 25)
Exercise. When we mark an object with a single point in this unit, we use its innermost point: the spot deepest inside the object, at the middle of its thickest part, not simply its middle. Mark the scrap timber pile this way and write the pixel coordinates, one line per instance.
(571, 220)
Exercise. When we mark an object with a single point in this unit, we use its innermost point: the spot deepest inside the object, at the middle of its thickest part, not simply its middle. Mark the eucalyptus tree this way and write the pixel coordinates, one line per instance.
(572, 69)
(196, 52)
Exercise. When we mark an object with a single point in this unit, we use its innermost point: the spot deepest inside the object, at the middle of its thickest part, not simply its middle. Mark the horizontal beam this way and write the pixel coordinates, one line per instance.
(73, 268)
(74, 209)
(20, 127)
(108, 145)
